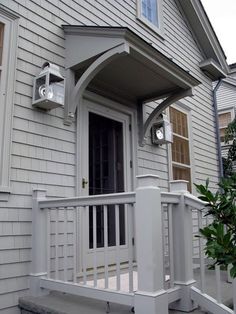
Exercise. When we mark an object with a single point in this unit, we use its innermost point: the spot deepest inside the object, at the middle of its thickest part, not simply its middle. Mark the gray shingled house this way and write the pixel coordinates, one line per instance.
(119, 65)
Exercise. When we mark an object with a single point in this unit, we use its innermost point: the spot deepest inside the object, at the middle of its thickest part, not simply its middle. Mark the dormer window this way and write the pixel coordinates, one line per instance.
(150, 13)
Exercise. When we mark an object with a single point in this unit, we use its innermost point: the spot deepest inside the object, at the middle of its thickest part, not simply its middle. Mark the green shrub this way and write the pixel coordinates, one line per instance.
(220, 235)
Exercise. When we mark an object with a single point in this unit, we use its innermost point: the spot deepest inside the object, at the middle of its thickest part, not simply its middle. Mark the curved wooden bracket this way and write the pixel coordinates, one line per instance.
(74, 95)
(144, 128)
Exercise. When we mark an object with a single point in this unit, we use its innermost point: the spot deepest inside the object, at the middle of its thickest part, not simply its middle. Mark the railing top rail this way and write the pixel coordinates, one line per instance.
(194, 202)
(170, 198)
(91, 200)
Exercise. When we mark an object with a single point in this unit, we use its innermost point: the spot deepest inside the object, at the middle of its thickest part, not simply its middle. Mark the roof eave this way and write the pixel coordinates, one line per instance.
(203, 31)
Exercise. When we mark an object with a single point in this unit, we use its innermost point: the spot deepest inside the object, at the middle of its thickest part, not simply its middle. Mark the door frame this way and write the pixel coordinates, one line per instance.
(113, 110)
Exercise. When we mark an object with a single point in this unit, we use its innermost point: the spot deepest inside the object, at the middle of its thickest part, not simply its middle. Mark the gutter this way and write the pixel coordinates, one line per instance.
(221, 173)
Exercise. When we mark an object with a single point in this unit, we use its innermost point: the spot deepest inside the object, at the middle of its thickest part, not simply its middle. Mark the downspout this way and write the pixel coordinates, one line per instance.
(221, 173)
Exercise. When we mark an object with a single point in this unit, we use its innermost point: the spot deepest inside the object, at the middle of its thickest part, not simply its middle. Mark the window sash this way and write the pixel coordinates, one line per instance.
(1, 41)
(7, 83)
(180, 148)
(224, 119)
(149, 10)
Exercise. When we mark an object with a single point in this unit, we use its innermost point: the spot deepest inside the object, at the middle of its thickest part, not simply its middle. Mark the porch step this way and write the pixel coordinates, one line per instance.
(61, 303)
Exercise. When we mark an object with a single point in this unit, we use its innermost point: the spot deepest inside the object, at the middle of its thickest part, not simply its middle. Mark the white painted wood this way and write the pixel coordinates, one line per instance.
(65, 261)
(75, 243)
(130, 238)
(7, 89)
(117, 225)
(106, 245)
(39, 239)
(92, 200)
(95, 245)
(148, 226)
(56, 245)
(218, 284)
(234, 293)
(201, 255)
(171, 244)
(94, 293)
(209, 303)
(182, 245)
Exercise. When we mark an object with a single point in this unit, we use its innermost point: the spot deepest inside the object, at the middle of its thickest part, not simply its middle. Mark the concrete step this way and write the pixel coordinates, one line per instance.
(61, 303)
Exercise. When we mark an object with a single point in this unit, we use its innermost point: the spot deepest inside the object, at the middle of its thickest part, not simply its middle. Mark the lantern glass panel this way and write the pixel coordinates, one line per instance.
(40, 87)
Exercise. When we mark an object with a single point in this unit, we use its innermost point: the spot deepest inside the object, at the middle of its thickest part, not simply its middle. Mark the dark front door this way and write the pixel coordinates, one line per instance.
(106, 175)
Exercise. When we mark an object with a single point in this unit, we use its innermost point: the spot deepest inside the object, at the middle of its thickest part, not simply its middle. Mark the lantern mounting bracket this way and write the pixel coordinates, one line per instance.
(144, 127)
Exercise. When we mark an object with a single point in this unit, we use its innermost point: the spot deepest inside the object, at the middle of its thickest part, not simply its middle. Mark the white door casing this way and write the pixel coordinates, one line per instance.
(125, 119)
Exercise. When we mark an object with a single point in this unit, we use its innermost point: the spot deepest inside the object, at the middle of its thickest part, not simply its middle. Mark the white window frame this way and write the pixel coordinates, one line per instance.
(186, 110)
(157, 28)
(232, 114)
(7, 82)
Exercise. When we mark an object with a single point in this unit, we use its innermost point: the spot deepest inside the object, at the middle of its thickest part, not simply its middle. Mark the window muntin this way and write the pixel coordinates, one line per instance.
(181, 165)
(224, 119)
(149, 11)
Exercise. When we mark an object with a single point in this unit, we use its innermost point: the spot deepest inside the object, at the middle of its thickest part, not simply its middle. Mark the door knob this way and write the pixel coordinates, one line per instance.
(84, 182)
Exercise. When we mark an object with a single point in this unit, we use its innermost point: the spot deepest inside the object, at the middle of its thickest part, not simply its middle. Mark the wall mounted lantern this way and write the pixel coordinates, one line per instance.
(161, 131)
(49, 88)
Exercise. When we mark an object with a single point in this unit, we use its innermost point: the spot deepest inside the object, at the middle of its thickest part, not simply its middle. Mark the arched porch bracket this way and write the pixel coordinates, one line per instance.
(145, 128)
(74, 95)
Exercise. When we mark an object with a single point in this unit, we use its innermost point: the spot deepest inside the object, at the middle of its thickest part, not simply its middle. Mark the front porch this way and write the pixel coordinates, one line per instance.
(164, 267)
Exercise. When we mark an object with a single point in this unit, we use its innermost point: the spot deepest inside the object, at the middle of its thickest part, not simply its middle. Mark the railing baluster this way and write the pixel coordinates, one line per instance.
(117, 227)
(48, 243)
(106, 245)
(85, 241)
(171, 246)
(201, 255)
(75, 216)
(234, 293)
(65, 244)
(129, 210)
(56, 244)
(218, 284)
(95, 245)
(164, 242)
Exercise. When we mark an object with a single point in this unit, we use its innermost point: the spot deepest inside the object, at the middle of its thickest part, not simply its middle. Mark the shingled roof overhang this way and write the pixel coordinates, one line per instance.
(118, 63)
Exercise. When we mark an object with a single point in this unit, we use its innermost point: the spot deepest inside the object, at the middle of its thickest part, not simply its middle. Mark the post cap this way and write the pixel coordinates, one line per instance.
(179, 186)
(147, 180)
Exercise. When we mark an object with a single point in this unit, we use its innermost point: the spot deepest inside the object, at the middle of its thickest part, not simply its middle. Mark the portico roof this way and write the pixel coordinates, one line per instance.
(119, 64)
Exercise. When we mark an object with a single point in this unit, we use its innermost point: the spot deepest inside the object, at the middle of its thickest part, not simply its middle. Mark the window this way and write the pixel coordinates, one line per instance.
(8, 39)
(1, 43)
(181, 165)
(150, 12)
(224, 119)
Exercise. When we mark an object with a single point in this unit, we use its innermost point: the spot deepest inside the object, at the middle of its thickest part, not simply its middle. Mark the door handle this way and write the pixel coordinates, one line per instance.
(84, 182)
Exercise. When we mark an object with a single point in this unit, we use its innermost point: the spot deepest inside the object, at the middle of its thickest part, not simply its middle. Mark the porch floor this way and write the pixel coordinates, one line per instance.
(61, 303)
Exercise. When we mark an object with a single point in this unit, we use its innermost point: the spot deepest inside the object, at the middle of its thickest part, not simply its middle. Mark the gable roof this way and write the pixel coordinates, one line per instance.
(204, 35)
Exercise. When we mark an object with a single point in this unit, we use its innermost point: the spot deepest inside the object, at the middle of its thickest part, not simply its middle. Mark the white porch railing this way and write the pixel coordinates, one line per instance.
(152, 269)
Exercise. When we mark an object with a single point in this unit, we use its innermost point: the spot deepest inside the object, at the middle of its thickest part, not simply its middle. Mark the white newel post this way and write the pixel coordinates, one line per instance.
(151, 297)
(183, 248)
(39, 244)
